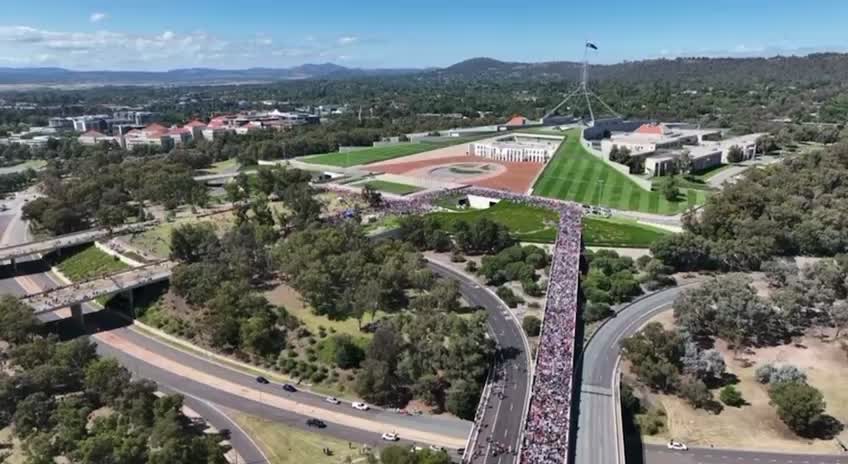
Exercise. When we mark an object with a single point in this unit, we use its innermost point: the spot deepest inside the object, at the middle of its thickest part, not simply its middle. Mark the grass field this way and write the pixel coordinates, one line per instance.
(284, 444)
(88, 263)
(370, 155)
(577, 175)
(390, 187)
(532, 224)
(285, 296)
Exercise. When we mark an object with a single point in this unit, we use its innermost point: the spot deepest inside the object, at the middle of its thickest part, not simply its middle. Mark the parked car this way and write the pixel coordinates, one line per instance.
(677, 446)
(262, 380)
(289, 388)
(332, 400)
(437, 449)
(319, 424)
(390, 436)
(360, 406)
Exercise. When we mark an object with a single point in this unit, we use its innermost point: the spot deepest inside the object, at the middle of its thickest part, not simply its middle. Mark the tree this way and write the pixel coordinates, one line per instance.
(106, 380)
(34, 414)
(683, 163)
(532, 325)
(696, 393)
(655, 356)
(670, 188)
(595, 312)
(729, 308)
(462, 399)
(705, 365)
(730, 396)
(683, 252)
(194, 242)
(17, 323)
(259, 335)
(799, 405)
(735, 154)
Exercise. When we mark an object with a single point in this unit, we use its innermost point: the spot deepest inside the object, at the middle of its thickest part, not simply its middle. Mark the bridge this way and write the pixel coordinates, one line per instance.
(74, 295)
(11, 253)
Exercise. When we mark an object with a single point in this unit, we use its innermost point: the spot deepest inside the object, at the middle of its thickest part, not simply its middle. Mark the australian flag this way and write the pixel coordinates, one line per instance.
(591, 45)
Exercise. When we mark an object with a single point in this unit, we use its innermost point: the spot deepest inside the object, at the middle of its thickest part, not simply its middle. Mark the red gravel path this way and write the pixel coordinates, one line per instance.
(518, 177)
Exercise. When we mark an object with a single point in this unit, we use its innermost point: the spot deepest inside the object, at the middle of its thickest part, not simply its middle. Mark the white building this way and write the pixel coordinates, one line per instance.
(517, 148)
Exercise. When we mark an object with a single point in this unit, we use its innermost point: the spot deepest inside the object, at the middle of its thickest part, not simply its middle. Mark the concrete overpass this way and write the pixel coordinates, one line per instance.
(11, 253)
(74, 295)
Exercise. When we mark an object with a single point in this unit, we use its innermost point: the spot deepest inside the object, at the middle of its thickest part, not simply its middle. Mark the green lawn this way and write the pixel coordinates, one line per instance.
(369, 155)
(534, 224)
(88, 263)
(285, 444)
(619, 233)
(577, 175)
(390, 187)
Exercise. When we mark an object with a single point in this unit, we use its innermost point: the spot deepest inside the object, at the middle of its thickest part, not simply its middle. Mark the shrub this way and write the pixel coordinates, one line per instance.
(471, 266)
(696, 393)
(786, 373)
(342, 351)
(730, 396)
(596, 312)
(508, 297)
(799, 405)
(532, 326)
(764, 373)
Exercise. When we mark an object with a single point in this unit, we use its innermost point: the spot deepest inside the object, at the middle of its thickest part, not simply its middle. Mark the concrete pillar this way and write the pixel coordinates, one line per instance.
(14, 264)
(76, 314)
(131, 301)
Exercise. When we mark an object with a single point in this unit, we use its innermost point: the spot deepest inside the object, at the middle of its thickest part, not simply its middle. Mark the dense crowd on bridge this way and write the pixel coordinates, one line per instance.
(88, 290)
(546, 436)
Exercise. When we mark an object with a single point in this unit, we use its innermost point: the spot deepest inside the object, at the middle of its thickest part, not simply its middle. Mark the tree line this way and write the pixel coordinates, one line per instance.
(65, 402)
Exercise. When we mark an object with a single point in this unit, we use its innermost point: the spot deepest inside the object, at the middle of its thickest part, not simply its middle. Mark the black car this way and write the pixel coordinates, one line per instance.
(316, 423)
(289, 388)
(262, 380)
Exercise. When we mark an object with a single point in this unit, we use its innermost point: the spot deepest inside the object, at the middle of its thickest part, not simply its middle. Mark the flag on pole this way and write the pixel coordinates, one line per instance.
(591, 45)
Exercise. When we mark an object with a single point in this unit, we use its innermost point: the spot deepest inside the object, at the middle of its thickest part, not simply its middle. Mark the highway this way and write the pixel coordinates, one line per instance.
(596, 433)
(503, 418)
(501, 426)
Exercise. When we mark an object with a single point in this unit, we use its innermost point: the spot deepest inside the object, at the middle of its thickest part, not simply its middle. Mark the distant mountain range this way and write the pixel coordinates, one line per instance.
(817, 67)
(814, 67)
(189, 76)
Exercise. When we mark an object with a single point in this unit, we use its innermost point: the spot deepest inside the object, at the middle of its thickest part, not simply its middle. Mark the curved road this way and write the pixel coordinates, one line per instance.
(596, 431)
(503, 417)
(502, 420)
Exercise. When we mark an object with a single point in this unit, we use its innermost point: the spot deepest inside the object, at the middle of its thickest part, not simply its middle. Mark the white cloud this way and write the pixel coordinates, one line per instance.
(103, 49)
(347, 40)
(97, 16)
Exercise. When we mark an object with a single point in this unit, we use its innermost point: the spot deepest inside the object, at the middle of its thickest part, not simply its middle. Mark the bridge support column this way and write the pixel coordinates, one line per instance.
(76, 314)
(14, 264)
(130, 301)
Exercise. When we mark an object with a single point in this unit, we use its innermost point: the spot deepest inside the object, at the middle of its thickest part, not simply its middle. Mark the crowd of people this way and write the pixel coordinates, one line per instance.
(546, 433)
(91, 289)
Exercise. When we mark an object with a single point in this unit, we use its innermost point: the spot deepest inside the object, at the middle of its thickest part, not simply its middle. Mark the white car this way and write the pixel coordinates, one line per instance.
(390, 436)
(677, 446)
(332, 400)
(437, 449)
(359, 406)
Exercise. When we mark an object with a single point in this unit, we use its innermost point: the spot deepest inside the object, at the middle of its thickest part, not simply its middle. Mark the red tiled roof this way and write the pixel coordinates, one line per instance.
(195, 123)
(155, 129)
(517, 120)
(655, 129)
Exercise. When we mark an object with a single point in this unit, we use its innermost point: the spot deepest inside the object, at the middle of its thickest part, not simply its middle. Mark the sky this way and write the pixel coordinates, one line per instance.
(233, 34)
